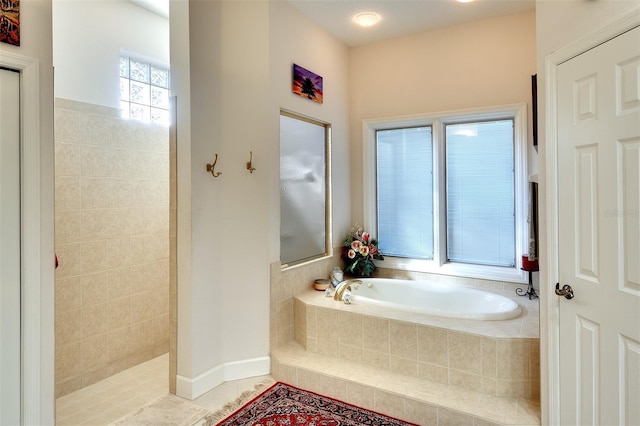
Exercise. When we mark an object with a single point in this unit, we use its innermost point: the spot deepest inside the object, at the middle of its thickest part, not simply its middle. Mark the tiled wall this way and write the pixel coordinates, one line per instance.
(492, 366)
(501, 367)
(112, 240)
(286, 284)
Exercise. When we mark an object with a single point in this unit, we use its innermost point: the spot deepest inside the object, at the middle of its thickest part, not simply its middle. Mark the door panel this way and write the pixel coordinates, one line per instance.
(599, 233)
(629, 158)
(9, 247)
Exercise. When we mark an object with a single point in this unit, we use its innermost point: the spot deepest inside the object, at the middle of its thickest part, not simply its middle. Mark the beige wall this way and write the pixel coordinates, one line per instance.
(81, 61)
(480, 64)
(223, 268)
(112, 241)
(295, 39)
(231, 75)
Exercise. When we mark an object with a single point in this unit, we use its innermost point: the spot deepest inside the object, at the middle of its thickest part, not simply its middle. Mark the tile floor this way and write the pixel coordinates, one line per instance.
(107, 401)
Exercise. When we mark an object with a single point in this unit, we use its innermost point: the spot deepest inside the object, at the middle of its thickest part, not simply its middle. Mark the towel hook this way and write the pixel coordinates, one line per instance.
(249, 163)
(211, 168)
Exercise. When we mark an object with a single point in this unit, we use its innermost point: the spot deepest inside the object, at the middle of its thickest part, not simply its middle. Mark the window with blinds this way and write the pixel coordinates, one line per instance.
(447, 193)
(480, 193)
(405, 192)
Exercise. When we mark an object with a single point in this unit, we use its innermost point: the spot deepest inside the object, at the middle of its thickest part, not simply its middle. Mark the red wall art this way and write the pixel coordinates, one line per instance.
(10, 22)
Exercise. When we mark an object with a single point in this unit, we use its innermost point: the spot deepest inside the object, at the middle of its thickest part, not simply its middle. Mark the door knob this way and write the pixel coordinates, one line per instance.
(565, 291)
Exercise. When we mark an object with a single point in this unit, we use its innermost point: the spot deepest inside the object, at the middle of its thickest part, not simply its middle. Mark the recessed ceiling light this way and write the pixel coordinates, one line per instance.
(366, 19)
(464, 1)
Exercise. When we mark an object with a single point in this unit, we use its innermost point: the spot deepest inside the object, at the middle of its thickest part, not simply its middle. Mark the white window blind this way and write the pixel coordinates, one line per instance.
(480, 193)
(405, 192)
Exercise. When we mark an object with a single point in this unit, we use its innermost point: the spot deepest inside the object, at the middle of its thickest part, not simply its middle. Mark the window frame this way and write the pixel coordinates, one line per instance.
(439, 263)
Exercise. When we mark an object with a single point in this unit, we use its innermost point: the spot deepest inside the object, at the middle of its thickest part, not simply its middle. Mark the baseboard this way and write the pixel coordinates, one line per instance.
(192, 388)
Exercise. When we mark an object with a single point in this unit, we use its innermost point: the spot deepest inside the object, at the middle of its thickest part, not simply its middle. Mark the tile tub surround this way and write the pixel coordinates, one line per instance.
(287, 283)
(112, 239)
(423, 401)
(495, 358)
(408, 398)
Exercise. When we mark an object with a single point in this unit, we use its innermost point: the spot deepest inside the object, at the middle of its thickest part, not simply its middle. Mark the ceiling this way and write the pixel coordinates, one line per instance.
(401, 17)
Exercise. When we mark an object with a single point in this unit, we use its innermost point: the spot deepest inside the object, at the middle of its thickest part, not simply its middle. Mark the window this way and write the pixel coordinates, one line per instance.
(446, 193)
(405, 192)
(144, 91)
(480, 188)
(305, 198)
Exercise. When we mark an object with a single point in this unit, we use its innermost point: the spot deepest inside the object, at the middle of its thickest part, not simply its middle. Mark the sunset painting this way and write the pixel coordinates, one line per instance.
(307, 84)
(10, 22)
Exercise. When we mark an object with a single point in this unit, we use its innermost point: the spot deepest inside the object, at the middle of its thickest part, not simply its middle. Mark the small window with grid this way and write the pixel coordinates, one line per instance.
(144, 91)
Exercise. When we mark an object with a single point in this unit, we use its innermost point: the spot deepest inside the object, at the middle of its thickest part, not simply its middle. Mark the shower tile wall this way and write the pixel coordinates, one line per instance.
(112, 241)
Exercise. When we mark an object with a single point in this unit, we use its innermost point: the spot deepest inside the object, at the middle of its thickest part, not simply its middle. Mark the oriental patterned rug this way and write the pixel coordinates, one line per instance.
(282, 404)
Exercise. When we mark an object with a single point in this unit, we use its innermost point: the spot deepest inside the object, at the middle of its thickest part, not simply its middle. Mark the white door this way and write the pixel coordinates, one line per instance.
(599, 232)
(9, 247)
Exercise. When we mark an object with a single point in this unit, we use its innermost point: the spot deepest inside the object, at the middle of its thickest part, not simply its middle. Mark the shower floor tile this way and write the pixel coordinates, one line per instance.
(107, 401)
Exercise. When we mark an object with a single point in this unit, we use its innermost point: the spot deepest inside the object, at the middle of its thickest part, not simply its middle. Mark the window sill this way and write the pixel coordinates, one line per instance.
(494, 273)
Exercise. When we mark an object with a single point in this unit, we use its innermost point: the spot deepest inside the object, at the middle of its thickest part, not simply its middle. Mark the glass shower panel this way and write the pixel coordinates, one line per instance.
(303, 189)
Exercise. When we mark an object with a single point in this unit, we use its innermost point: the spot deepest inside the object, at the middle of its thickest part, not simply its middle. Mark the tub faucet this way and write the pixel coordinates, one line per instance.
(344, 286)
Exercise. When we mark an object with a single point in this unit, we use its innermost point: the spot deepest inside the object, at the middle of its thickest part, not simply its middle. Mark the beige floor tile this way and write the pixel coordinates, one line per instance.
(110, 399)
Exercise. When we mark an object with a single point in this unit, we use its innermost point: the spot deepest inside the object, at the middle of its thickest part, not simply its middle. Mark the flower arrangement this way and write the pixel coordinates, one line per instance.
(358, 251)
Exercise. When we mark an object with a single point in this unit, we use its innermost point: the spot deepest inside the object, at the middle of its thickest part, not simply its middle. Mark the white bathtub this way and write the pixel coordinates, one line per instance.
(434, 299)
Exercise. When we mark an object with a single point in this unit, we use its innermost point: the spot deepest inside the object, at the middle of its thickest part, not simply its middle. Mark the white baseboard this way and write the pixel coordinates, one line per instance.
(192, 388)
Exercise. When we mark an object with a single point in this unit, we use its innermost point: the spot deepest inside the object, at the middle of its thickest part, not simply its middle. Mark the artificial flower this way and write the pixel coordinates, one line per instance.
(358, 252)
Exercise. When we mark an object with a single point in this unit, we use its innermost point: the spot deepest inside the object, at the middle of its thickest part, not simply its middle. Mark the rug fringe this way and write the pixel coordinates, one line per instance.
(230, 407)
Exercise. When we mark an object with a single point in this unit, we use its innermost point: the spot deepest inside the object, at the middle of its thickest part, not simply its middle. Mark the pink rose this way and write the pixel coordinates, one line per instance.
(355, 245)
(364, 250)
(365, 237)
(351, 254)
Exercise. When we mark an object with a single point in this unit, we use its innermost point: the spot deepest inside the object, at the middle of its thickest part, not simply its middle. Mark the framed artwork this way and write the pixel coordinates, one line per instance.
(306, 84)
(10, 22)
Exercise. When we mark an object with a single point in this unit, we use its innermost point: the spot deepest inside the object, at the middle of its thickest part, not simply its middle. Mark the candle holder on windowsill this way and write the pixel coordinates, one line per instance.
(530, 266)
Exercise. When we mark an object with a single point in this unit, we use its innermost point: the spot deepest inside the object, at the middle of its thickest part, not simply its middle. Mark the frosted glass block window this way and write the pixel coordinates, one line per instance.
(159, 77)
(139, 71)
(144, 91)
(480, 193)
(405, 192)
(139, 93)
(124, 67)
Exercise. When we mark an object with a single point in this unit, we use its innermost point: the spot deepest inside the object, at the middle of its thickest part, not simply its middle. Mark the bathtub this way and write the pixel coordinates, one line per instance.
(433, 299)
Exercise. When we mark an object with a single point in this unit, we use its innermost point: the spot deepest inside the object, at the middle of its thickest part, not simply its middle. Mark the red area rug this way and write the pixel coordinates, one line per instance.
(283, 404)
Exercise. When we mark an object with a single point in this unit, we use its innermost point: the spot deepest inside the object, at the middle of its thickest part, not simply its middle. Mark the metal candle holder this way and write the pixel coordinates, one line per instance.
(530, 266)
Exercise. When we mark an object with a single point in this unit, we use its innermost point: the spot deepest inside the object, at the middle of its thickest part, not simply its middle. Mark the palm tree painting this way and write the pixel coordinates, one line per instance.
(307, 84)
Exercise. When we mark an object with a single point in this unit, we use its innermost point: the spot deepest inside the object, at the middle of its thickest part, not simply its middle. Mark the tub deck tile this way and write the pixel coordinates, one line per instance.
(523, 326)
(292, 363)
